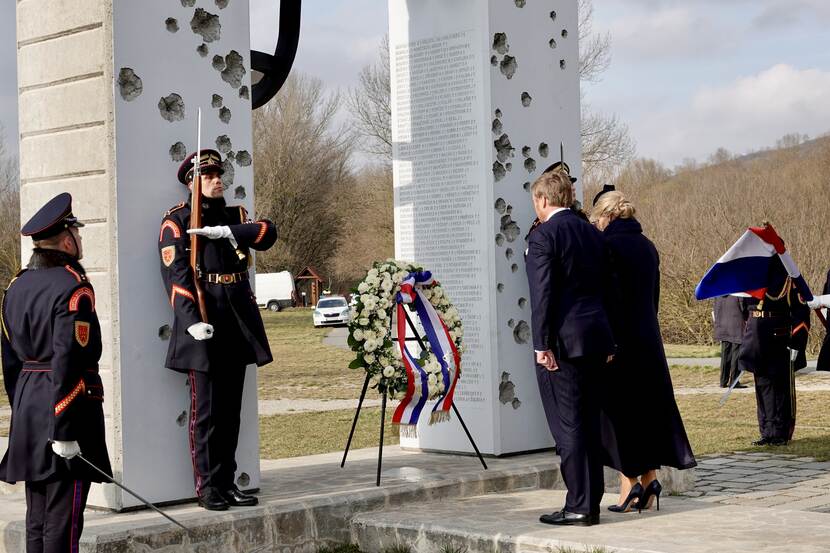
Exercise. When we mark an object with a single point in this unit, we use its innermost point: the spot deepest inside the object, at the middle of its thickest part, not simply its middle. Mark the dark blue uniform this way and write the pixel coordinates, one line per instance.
(215, 367)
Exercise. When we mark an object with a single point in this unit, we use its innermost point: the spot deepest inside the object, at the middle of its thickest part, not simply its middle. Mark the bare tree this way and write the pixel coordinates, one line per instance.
(594, 49)
(371, 106)
(302, 169)
(9, 213)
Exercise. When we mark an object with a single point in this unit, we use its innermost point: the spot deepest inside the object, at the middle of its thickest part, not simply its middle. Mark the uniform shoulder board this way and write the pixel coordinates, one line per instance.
(243, 213)
(15, 277)
(175, 208)
(75, 274)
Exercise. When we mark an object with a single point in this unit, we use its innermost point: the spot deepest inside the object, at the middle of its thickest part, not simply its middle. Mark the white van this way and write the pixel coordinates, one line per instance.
(275, 290)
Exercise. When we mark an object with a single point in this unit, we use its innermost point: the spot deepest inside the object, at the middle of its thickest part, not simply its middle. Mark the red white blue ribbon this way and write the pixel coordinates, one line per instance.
(442, 345)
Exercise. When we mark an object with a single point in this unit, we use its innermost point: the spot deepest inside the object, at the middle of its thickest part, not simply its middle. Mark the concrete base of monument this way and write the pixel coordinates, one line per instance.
(509, 523)
(310, 502)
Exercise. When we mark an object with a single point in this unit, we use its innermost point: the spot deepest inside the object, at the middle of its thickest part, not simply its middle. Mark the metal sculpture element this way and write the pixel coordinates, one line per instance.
(275, 68)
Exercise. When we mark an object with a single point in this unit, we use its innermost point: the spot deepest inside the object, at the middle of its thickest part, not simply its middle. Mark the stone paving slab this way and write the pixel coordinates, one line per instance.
(508, 523)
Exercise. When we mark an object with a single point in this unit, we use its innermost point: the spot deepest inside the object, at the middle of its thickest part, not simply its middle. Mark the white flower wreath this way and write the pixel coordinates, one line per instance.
(370, 333)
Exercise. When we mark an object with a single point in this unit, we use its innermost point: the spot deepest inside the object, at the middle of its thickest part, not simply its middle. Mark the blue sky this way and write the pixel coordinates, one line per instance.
(686, 76)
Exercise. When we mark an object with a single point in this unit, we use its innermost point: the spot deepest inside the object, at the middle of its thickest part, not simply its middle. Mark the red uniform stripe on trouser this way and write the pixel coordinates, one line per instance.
(192, 432)
(74, 534)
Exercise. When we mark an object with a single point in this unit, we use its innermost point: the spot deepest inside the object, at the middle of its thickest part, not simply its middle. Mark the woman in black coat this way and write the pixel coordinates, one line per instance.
(642, 429)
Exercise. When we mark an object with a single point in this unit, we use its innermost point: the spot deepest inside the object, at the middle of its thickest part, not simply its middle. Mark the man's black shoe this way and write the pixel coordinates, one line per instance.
(762, 441)
(235, 497)
(778, 441)
(211, 500)
(564, 518)
(738, 386)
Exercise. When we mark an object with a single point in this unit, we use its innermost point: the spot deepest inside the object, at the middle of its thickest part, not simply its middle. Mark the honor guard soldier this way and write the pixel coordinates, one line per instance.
(214, 352)
(51, 345)
(773, 348)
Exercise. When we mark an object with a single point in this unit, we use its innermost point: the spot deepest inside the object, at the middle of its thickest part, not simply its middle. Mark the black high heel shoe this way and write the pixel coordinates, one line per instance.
(635, 493)
(654, 488)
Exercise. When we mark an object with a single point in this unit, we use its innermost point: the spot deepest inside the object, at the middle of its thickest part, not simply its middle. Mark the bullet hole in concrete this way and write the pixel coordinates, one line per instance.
(181, 420)
(497, 128)
(511, 323)
(509, 228)
(526, 151)
(223, 144)
(553, 16)
(243, 93)
(222, 4)
(243, 158)
(508, 253)
(165, 332)
(231, 156)
(171, 24)
(206, 25)
(224, 115)
(508, 66)
(171, 107)
(218, 63)
(500, 206)
(515, 404)
(498, 113)
(504, 149)
(520, 3)
(552, 43)
(498, 171)
(526, 186)
(178, 151)
(500, 287)
(564, 33)
(562, 64)
(530, 164)
(188, 3)
(522, 303)
(521, 333)
(507, 390)
(129, 84)
(244, 480)
(499, 240)
(500, 43)
(494, 61)
(234, 69)
(202, 49)
(526, 99)
(216, 101)
(239, 193)
(514, 268)
(508, 166)
(227, 178)
(544, 150)
(509, 209)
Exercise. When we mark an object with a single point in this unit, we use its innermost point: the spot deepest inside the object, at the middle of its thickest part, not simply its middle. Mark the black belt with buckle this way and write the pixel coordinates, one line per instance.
(232, 278)
(755, 314)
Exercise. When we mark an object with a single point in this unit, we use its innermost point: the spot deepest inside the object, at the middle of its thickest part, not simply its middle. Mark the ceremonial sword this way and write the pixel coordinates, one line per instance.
(732, 387)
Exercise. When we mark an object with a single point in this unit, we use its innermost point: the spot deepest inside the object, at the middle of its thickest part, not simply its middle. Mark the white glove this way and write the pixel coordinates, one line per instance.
(214, 233)
(67, 450)
(201, 331)
(819, 301)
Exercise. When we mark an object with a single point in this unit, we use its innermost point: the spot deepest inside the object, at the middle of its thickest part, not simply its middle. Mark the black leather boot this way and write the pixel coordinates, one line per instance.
(233, 496)
(212, 500)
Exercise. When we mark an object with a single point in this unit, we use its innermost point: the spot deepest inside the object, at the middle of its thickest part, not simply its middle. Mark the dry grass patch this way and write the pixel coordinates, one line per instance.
(691, 350)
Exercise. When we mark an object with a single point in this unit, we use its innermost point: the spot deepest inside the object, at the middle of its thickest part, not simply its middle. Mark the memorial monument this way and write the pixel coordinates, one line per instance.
(108, 95)
(483, 94)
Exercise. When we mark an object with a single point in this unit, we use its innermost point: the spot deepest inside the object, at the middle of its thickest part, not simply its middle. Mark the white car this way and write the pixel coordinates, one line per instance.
(331, 310)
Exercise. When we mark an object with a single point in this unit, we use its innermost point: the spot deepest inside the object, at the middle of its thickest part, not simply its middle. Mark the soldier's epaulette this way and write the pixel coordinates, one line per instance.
(243, 213)
(75, 274)
(174, 208)
(15, 277)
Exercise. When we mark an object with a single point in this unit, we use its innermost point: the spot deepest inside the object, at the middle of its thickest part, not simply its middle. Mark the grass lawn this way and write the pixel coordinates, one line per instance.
(683, 376)
(714, 429)
(687, 350)
(298, 434)
(304, 367)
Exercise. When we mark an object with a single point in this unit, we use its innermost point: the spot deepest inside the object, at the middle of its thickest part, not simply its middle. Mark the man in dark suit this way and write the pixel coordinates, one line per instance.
(214, 352)
(51, 345)
(566, 269)
(729, 328)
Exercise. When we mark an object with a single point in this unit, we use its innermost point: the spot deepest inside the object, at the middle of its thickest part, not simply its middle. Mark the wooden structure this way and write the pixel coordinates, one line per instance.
(308, 278)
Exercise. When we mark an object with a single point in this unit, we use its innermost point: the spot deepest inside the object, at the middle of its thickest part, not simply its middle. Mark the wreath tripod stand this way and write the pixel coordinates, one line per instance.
(383, 413)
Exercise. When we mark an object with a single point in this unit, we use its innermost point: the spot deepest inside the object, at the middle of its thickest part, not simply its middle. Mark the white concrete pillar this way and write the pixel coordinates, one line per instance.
(483, 92)
(90, 127)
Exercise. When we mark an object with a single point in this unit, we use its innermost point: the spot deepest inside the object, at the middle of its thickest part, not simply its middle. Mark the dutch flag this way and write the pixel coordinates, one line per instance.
(744, 267)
